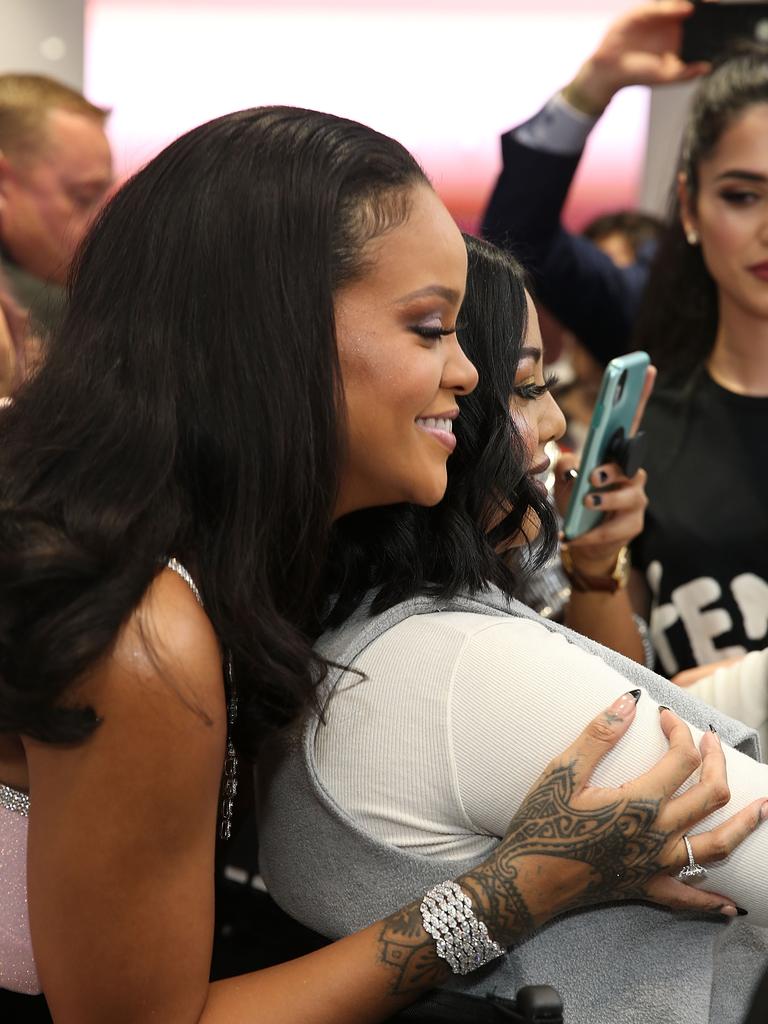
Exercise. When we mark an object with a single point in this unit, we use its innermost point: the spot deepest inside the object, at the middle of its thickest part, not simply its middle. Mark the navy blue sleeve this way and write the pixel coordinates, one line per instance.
(582, 286)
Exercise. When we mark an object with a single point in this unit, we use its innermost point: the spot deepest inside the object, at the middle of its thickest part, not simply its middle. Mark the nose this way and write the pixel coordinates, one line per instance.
(553, 421)
(459, 374)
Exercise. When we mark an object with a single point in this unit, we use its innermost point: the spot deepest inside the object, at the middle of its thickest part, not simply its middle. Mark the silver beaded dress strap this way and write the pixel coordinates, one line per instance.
(14, 800)
(229, 781)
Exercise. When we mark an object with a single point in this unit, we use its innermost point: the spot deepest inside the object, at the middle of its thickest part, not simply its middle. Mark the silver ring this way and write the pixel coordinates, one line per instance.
(692, 872)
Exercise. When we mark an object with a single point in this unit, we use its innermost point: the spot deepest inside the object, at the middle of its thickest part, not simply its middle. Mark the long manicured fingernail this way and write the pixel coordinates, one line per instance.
(663, 707)
(595, 500)
(625, 703)
(602, 476)
(729, 910)
(637, 694)
(712, 729)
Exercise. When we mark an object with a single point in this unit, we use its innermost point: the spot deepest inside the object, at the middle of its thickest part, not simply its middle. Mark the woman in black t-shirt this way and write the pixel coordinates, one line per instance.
(704, 553)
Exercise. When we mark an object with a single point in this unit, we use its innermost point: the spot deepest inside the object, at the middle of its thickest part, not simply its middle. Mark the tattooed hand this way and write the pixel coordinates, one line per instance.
(572, 845)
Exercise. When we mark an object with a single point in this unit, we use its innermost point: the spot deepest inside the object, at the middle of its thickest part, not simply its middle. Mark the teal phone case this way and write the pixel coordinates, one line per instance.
(620, 392)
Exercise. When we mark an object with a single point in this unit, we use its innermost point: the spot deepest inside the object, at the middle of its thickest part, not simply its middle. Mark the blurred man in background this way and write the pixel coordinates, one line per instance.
(55, 171)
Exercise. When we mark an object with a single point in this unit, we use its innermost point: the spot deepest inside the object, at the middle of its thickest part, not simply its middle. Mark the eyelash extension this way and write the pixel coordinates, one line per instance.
(435, 332)
(530, 392)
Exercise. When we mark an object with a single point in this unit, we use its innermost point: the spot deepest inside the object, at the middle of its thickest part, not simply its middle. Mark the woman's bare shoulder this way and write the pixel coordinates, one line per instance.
(164, 671)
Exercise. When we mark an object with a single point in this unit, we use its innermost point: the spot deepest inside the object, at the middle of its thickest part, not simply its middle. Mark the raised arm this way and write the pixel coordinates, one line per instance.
(579, 283)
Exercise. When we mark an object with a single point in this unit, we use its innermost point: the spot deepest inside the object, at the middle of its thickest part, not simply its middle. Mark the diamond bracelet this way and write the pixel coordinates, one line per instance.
(461, 940)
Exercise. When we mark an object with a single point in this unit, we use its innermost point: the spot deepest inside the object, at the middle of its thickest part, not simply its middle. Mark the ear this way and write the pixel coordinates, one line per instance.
(688, 217)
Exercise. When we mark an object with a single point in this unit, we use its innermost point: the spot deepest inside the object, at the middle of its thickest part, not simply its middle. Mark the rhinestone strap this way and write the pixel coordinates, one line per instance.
(229, 782)
(178, 568)
(14, 800)
(461, 940)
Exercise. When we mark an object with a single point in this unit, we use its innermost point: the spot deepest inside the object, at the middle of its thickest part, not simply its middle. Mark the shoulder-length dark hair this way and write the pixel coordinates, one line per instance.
(678, 318)
(404, 550)
(190, 406)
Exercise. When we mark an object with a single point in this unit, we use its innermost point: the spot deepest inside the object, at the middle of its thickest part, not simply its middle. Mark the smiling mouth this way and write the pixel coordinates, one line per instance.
(441, 428)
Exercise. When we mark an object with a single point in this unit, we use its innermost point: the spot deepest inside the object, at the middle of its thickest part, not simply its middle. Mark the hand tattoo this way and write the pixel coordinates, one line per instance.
(617, 841)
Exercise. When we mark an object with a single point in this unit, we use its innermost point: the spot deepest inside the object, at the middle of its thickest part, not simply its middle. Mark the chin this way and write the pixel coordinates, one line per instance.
(429, 496)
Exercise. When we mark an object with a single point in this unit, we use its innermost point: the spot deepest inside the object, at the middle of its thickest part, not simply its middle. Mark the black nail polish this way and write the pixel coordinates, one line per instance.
(712, 729)
(663, 707)
(602, 476)
(637, 694)
(741, 911)
(597, 501)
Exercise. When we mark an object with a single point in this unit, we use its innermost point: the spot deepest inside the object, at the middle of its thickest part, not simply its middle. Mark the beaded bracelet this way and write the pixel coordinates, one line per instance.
(461, 940)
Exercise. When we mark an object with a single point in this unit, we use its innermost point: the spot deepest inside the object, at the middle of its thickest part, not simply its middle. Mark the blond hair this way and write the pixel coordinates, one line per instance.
(26, 100)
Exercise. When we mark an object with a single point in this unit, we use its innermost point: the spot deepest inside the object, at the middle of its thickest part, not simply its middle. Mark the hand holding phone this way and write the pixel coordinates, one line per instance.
(612, 434)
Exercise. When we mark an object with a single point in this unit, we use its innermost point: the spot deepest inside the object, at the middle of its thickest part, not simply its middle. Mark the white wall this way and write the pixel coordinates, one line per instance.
(43, 37)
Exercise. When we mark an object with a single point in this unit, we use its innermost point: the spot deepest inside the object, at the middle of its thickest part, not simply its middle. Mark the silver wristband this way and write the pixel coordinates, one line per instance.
(461, 940)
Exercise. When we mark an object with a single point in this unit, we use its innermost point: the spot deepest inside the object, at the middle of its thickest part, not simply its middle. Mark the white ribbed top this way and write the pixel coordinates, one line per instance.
(459, 714)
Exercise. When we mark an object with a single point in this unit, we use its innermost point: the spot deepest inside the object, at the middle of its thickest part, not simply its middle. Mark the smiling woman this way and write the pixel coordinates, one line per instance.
(401, 362)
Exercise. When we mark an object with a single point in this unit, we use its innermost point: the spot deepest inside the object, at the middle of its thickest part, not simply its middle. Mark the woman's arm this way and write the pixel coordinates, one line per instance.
(606, 616)
(737, 687)
(603, 615)
(121, 848)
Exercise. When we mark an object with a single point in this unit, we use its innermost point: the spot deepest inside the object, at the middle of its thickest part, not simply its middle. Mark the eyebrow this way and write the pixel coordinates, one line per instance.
(530, 353)
(432, 289)
(742, 175)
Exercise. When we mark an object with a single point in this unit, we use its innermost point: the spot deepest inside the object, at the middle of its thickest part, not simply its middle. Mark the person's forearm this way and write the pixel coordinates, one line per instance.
(608, 619)
(368, 976)
(365, 977)
(590, 91)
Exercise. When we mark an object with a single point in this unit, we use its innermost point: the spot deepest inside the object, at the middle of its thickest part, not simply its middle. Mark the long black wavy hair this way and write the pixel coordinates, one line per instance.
(678, 317)
(190, 405)
(405, 550)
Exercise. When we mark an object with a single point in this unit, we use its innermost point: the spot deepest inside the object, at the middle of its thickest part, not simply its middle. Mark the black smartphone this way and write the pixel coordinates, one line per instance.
(714, 28)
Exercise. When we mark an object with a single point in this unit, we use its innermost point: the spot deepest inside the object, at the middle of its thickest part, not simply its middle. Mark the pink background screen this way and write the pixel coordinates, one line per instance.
(445, 77)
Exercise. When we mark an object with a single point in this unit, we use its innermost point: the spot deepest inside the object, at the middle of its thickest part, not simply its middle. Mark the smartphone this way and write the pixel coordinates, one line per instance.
(617, 402)
(713, 28)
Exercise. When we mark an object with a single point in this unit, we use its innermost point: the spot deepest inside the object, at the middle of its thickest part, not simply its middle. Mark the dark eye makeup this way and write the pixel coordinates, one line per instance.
(434, 333)
(530, 392)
